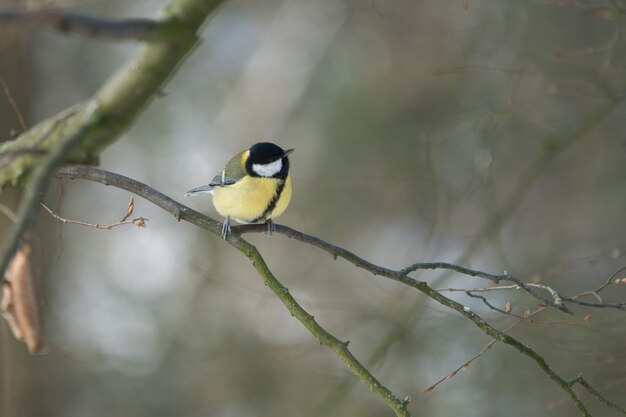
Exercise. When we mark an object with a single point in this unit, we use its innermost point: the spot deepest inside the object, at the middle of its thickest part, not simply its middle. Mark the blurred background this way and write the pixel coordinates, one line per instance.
(486, 133)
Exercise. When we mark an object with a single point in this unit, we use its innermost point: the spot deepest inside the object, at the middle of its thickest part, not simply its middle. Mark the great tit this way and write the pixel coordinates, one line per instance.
(254, 187)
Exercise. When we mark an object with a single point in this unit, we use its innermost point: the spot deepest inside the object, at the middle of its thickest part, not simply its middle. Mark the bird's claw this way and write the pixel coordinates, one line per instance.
(226, 228)
(271, 227)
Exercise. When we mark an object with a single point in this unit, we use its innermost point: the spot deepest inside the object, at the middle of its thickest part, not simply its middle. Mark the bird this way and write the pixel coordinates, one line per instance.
(254, 186)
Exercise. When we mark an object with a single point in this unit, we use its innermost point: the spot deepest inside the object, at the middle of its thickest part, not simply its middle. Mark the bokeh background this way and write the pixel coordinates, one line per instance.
(487, 133)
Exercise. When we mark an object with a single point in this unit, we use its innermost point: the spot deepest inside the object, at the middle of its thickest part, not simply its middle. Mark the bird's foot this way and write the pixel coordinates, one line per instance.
(271, 227)
(226, 228)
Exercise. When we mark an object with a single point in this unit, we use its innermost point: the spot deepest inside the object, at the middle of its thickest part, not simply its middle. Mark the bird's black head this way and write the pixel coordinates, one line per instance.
(268, 160)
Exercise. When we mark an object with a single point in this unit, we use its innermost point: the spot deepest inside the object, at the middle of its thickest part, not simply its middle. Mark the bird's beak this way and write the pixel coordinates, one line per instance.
(287, 152)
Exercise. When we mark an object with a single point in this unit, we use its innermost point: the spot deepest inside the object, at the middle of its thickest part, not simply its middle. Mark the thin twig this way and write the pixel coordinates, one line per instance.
(489, 305)
(373, 6)
(618, 306)
(68, 22)
(486, 289)
(470, 292)
(479, 354)
(483, 69)
(597, 291)
(608, 58)
(556, 301)
(13, 103)
(8, 212)
(574, 299)
(596, 294)
(139, 221)
(59, 225)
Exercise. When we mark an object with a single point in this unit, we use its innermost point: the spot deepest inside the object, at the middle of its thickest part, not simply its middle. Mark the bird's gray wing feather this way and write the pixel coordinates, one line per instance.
(220, 180)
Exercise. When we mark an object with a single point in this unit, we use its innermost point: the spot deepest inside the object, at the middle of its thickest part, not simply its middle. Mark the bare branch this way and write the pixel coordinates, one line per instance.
(574, 299)
(486, 302)
(8, 212)
(67, 22)
(13, 102)
(485, 289)
(120, 100)
(481, 68)
(479, 354)
(555, 302)
(583, 382)
(139, 221)
(597, 291)
(97, 122)
(340, 348)
(610, 47)
(182, 212)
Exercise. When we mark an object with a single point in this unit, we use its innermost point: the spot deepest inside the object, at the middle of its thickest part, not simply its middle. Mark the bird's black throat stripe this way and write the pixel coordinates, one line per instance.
(272, 204)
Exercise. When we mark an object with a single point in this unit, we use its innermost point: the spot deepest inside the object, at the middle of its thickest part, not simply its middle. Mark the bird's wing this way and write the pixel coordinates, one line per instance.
(222, 180)
(233, 172)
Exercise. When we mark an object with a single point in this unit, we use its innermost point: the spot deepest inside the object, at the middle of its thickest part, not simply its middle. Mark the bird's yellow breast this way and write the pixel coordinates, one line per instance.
(249, 198)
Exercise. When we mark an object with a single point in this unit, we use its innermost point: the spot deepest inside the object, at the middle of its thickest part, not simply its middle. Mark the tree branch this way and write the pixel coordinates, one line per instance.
(138, 221)
(340, 348)
(119, 100)
(336, 251)
(555, 302)
(72, 23)
(488, 346)
(85, 130)
(12, 101)
(181, 212)
(583, 382)
(184, 213)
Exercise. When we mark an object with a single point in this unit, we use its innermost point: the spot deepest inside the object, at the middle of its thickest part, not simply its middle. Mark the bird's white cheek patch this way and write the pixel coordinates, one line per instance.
(268, 170)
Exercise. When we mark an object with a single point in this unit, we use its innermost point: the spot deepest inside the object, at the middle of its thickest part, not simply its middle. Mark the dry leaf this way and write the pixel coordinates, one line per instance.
(131, 206)
(5, 306)
(129, 209)
(19, 304)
